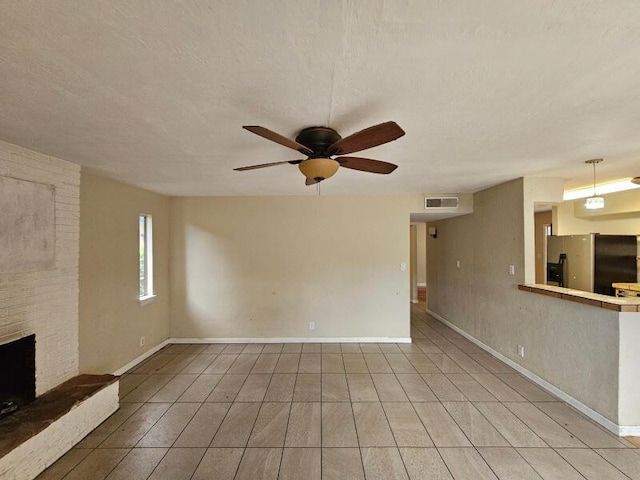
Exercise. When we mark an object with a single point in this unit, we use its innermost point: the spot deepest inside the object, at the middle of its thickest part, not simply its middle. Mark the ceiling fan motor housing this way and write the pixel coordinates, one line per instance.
(318, 166)
(318, 139)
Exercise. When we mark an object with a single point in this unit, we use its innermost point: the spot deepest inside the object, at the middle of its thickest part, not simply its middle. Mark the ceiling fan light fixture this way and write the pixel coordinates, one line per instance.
(319, 144)
(318, 168)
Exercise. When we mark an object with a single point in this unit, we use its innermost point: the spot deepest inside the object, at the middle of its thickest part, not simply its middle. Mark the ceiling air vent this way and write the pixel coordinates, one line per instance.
(437, 203)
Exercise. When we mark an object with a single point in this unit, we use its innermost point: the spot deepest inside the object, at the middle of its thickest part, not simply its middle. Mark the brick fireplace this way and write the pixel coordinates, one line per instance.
(44, 301)
(39, 306)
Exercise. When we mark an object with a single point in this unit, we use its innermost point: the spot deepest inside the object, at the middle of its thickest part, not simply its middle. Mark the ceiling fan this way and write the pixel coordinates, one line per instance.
(320, 144)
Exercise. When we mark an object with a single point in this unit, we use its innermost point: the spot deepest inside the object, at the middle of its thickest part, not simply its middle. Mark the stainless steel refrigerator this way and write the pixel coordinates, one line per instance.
(592, 262)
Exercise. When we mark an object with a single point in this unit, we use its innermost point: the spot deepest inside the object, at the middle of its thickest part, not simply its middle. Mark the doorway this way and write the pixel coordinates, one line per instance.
(418, 262)
(542, 222)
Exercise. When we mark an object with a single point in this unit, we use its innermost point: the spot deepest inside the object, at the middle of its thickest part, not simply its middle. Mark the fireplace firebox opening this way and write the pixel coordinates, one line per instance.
(17, 374)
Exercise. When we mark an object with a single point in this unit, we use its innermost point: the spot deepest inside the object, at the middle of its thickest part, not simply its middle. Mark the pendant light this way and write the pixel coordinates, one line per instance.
(594, 202)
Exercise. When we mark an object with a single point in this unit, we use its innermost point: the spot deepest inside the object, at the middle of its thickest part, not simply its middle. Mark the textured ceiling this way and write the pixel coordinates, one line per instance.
(154, 93)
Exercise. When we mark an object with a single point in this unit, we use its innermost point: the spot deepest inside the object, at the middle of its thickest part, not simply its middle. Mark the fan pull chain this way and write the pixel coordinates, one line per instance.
(318, 184)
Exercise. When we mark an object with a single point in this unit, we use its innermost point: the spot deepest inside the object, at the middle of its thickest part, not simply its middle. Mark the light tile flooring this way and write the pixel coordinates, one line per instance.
(439, 408)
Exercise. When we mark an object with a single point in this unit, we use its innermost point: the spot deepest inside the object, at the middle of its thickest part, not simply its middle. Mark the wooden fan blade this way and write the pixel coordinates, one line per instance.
(366, 165)
(276, 137)
(367, 138)
(263, 165)
(310, 182)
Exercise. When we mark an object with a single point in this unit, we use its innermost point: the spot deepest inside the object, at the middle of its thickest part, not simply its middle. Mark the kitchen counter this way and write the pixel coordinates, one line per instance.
(619, 304)
(627, 289)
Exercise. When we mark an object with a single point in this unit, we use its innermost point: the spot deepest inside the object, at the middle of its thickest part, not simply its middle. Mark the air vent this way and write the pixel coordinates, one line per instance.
(437, 203)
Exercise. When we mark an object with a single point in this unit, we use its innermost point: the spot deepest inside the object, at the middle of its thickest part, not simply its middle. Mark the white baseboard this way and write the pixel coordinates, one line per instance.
(295, 340)
(629, 431)
(621, 430)
(142, 357)
(415, 301)
(169, 341)
(422, 284)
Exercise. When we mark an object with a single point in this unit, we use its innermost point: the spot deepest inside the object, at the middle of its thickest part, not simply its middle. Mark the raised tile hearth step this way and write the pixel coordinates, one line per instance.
(79, 404)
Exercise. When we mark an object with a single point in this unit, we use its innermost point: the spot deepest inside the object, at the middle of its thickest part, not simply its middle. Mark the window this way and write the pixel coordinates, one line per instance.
(146, 256)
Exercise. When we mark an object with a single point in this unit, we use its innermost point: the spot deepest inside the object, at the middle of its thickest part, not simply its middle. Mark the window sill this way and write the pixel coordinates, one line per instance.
(146, 300)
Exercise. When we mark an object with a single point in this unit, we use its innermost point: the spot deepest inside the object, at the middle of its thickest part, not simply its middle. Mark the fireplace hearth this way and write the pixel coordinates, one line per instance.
(17, 374)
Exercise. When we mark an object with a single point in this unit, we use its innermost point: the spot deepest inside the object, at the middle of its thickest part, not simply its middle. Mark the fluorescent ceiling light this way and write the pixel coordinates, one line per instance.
(603, 189)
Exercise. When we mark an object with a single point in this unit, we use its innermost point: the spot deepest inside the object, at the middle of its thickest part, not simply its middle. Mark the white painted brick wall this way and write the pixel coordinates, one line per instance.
(46, 302)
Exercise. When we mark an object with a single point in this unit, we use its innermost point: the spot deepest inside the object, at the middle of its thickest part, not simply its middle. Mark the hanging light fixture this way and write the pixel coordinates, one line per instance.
(594, 202)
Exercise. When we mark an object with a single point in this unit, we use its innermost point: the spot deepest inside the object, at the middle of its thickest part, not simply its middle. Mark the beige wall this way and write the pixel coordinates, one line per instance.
(421, 233)
(572, 346)
(413, 263)
(264, 267)
(629, 386)
(541, 219)
(568, 223)
(111, 319)
(617, 205)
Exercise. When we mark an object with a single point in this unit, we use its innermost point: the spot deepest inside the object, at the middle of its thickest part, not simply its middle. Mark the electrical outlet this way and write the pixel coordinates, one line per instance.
(512, 269)
(142, 341)
(521, 351)
(312, 325)
(458, 263)
(403, 266)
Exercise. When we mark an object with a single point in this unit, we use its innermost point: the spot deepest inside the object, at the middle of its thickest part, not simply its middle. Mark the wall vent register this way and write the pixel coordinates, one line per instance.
(437, 203)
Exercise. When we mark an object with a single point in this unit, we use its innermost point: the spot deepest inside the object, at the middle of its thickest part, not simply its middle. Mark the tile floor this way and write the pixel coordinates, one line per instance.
(439, 408)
